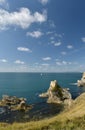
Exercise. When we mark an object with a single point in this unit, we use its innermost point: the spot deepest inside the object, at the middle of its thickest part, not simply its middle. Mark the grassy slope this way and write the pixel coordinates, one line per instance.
(72, 119)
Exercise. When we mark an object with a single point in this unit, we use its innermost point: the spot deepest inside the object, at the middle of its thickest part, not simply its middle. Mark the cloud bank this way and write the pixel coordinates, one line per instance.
(23, 18)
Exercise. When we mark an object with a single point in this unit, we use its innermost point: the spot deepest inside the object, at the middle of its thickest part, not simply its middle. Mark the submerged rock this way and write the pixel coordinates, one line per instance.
(82, 81)
(56, 94)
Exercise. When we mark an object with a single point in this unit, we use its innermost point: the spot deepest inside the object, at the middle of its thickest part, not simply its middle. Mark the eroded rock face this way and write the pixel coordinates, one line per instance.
(56, 94)
(14, 103)
(82, 81)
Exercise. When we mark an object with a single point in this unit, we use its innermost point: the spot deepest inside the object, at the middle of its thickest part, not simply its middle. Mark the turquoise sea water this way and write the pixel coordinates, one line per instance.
(30, 85)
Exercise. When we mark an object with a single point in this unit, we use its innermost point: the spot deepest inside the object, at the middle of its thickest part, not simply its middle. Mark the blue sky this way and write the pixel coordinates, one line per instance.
(42, 35)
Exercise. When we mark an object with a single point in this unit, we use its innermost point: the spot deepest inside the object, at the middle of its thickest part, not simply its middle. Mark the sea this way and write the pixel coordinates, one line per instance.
(29, 86)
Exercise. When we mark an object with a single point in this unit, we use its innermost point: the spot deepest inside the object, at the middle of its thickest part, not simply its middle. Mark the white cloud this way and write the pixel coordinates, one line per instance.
(58, 63)
(57, 44)
(44, 2)
(49, 32)
(23, 18)
(35, 34)
(63, 53)
(24, 49)
(69, 46)
(3, 60)
(19, 62)
(44, 64)
(83, 39)
(63, 63)
(46, 58)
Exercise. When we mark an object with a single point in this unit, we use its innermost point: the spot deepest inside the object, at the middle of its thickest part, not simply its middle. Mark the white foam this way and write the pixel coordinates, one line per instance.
(73, 83)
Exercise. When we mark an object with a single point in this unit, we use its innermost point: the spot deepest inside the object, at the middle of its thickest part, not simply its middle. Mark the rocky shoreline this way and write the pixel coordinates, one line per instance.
(39, 111)
(13, 108)
(14, 103)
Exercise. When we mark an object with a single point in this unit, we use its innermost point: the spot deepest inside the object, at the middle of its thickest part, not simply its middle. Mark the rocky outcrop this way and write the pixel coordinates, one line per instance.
(82, 81)
(56, 94)
(14, 103)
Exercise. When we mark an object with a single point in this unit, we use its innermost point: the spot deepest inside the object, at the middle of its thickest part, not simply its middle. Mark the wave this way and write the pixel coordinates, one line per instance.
(73, 83)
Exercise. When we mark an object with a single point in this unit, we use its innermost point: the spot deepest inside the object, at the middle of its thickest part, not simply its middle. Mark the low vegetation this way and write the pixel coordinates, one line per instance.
(71, 119)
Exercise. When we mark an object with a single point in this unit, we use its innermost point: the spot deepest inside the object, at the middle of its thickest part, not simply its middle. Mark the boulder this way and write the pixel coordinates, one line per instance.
(82, 81)
(56, 94)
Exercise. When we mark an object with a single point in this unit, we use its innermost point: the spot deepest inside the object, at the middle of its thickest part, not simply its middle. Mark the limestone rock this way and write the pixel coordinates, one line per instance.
(56, 94)
(82, 81)
(14, 103)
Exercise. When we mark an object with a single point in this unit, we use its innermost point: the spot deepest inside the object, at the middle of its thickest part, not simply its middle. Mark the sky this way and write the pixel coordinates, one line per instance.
(42, 35)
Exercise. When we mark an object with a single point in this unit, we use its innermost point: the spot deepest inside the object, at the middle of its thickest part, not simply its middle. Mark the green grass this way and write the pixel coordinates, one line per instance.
(73, 124)
(71, 119)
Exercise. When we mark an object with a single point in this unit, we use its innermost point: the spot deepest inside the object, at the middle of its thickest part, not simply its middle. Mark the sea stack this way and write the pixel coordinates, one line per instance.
(82, 81)
(56, 94)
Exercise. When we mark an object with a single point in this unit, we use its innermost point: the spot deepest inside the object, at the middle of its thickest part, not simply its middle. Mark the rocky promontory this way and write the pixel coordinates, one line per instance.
(56, 94)
(82, 81)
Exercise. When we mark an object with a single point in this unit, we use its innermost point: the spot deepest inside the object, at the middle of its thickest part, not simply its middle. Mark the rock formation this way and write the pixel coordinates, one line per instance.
(82, 81)
(14, 103)
(56, 94)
